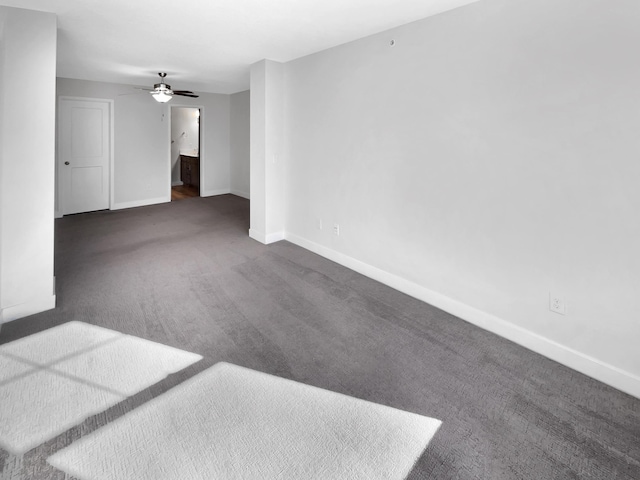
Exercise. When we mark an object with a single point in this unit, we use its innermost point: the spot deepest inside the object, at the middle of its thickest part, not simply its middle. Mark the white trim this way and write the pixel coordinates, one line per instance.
(258, 236)
(32, 307)
(141, 203)
(266, 238)
(239, 193)
(202, 149)
(168, 115)
(57, 214)
(112, 146)
(609, 374)
(201, 146)
(212, 193)
(274, 237)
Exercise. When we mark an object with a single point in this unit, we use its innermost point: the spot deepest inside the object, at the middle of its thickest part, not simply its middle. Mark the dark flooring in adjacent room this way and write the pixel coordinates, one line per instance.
(180, 192)
(186, 274)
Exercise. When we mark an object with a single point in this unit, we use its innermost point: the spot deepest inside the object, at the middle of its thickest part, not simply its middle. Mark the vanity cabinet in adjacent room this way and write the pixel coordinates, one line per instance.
(190, 171)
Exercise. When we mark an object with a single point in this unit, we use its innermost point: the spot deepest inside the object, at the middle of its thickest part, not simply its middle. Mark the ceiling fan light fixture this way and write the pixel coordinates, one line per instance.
(161, 91)
(162, 96)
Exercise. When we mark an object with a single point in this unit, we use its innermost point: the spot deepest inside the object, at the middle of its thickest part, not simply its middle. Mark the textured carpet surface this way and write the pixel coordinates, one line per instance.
(185, 274)
(53, 380)
(242, 424)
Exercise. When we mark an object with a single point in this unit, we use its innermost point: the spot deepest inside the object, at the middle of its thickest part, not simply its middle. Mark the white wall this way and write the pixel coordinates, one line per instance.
(258, 159)
(239, 148)
(487, 159)
(27, 161)
(142, 173)
(3, 17)
(267, 168)
(185, 132)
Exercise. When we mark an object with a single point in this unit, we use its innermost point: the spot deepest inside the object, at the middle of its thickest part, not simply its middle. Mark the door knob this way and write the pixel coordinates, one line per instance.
(66, 163)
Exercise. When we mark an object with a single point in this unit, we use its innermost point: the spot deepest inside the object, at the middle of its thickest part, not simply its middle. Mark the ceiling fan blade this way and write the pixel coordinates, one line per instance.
(183, 93)
(141, 88)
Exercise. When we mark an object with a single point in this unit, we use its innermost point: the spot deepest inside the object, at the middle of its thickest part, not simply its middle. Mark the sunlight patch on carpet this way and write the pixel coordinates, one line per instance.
(55, 379)
(230, 422)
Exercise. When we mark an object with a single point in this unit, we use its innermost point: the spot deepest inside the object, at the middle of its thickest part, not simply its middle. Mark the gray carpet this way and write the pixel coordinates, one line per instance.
(234, 423)
(185, 274)
(55, 379)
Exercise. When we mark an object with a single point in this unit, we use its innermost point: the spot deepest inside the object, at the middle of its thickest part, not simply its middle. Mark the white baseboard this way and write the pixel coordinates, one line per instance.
(258, 236)
(239, 193)
(266, 238)
(32, 307)
(140, 203)
(176, 184)
(212, 193)
(57, 214)
(609, 374)
(274, 237)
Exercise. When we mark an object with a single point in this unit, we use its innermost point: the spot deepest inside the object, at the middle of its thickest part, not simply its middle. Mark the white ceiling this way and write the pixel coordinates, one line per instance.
(208, 45)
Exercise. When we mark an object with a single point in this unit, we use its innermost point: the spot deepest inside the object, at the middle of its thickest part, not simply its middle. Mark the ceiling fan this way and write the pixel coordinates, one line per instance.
(162, 92)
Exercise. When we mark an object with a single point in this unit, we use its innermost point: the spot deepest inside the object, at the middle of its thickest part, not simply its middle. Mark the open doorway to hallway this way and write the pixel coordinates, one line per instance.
(185, 152)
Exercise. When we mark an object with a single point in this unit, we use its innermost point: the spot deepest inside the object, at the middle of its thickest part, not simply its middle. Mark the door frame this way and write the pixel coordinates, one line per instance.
(201, 142)
(110, 170)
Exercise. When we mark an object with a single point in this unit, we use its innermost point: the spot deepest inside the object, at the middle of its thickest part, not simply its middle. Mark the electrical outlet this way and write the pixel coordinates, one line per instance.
(336, 229)
(319, 224)
(557, 303)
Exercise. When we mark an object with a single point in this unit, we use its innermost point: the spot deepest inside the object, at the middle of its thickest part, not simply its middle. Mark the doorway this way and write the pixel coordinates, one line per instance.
(85, 154)
(186, 168)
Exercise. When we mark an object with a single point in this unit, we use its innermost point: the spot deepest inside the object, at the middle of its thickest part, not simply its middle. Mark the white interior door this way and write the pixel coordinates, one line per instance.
(84, 154)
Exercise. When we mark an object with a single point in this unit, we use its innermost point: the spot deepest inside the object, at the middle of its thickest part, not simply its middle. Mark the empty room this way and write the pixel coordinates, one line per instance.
(302, 239)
